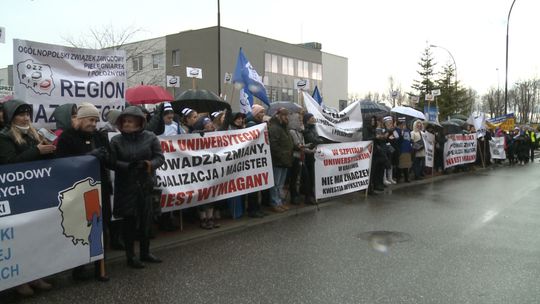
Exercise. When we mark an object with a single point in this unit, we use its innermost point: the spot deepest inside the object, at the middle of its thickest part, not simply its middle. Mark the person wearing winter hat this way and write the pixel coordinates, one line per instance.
(203, 124)
(20, 142)
(172, 127)
(257, 115)
(218, 120)
(208, 213)
(85, 139)
(238, 121)
(188, 119)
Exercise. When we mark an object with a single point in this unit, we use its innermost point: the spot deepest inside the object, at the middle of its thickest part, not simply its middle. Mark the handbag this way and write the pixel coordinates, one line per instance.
(418, 145)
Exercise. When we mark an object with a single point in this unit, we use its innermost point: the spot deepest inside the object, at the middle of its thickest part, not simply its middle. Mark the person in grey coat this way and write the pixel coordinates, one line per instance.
(137, 154)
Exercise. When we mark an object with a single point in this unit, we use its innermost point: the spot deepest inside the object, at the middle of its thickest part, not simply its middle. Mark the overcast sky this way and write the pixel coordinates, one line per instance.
(381, 38)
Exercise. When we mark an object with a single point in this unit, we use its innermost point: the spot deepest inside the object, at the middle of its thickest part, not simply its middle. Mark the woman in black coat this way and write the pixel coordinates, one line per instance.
(20, 142)
(137, 154)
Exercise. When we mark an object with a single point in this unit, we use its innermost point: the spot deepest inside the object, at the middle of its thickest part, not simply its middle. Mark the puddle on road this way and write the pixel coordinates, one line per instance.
(381, 241)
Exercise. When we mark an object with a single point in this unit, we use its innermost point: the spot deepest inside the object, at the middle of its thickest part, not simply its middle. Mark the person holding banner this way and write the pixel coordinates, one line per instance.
(2, 124)
(281, 150)
(208, 213)
(20, 142)
(84, 139)
(137, 154)
(218, 120)
(254, 210)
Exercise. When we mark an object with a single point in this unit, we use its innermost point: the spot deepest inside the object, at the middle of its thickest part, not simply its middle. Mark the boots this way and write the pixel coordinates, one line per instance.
(146, 256)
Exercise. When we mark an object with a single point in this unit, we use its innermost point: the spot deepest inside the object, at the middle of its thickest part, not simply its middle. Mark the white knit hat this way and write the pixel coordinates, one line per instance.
(87, 110)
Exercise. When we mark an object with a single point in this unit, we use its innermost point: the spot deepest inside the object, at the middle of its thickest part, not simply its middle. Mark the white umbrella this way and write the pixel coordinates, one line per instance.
(409, 112)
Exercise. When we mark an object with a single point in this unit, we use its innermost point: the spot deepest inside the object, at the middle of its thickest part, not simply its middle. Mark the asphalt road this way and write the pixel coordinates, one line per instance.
(469, 238)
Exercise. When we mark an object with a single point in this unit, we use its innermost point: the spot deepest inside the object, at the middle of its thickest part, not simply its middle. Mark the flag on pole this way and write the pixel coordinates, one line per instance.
(317, 95)
(246, 101)
(245, 74)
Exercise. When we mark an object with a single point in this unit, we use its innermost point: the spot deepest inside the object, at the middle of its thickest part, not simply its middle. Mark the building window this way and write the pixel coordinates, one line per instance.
(157, 61)
(176, 57)
(303, 69)
(137, 63)
(316, 71)
(287, 66)
(274, 64)
(267, 62)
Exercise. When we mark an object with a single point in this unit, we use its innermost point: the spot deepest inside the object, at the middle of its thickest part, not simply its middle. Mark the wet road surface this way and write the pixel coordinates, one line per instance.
(468, 238)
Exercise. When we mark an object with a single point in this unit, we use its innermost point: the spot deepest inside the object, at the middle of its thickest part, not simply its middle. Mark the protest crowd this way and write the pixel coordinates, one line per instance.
(135, 153)
(280, 156)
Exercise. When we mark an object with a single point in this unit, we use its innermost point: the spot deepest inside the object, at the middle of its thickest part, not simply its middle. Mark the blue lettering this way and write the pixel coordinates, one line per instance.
(79, 88)
(9, 272)
(6, 234)
(5, 254)
(65, 86)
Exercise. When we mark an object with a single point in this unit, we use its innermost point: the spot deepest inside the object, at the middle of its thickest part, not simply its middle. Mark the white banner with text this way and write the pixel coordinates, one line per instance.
(208, 167)
(342, 168)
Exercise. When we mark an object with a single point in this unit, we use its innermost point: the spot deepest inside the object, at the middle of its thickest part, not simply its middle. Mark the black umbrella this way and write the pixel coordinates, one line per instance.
(370, 108)
(276, 105)
(459, 116)
(202, 101)
(451, 127)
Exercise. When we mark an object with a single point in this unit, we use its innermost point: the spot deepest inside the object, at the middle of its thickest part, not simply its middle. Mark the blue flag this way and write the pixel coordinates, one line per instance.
(317, 95)
(246, 101)
(245, 74)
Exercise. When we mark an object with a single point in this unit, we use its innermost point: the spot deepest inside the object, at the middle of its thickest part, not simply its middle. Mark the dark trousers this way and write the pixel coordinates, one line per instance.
(297, 179)
(418, 167)
(253, 205)
(135, 228)
(309, 180)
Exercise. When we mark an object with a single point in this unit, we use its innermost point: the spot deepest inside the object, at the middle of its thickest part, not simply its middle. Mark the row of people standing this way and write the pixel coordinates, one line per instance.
(134, 155)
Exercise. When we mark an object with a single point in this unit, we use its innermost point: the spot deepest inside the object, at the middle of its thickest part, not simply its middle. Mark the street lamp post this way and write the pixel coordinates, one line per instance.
(451, 56)
(506, 71)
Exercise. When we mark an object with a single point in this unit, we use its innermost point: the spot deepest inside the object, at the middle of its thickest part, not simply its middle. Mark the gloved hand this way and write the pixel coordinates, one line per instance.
(138, 165)
(99, 153)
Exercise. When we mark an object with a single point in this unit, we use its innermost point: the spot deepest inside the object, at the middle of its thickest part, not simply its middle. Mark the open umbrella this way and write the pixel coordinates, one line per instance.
(459, 116)
(147, 94)
(202, 101)
(276, 105)
(408, 111)
(460, 122)
(370, 108)
(451, 127)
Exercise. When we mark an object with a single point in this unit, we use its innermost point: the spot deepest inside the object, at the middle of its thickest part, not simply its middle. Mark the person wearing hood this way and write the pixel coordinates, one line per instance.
(2, 123)
(111, 118)
(65, 117)
(20, 142)
(137, 154)
(281, 150)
